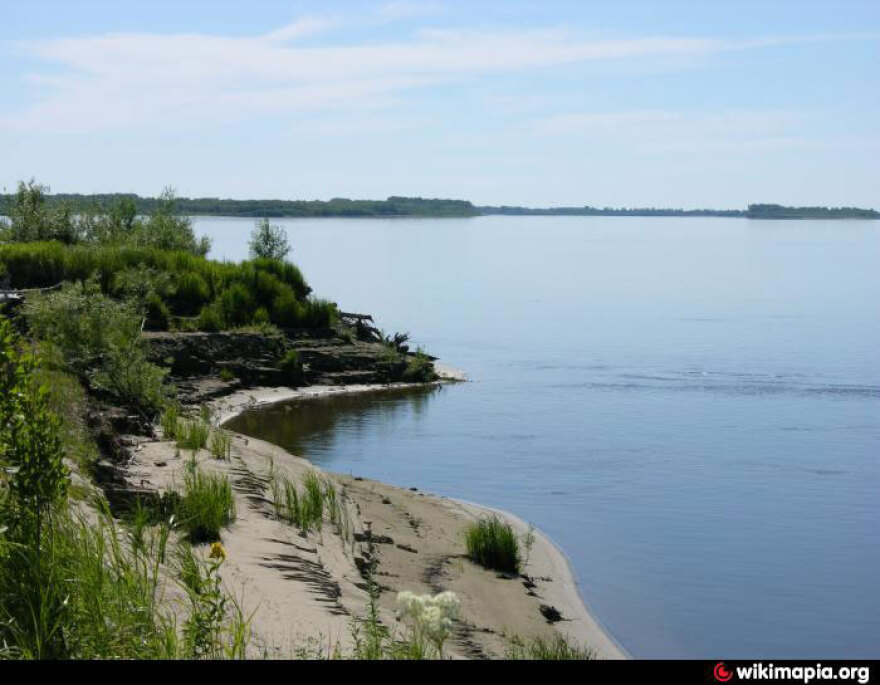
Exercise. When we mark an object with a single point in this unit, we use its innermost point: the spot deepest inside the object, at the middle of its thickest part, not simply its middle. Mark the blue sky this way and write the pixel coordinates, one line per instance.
(688, 103)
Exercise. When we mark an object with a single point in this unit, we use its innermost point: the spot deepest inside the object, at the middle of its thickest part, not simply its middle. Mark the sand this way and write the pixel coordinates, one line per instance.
(305, 592)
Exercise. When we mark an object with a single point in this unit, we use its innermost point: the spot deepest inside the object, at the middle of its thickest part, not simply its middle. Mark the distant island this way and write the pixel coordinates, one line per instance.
(397, 206)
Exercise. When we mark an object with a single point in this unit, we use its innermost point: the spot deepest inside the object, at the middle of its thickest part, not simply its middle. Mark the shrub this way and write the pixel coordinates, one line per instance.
(207, 504)
(223, 294)
(191, 292)
(291, 365)
(493, 544)
(237, 304)
(419, 369)
(127, 375)
(100, 340)
(211, 319)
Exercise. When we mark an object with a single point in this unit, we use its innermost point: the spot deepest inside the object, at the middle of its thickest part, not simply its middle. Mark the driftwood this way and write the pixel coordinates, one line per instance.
(356, 317)
(21, 292)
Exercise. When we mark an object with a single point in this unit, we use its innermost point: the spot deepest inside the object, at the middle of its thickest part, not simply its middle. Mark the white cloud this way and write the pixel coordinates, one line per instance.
(155, 82)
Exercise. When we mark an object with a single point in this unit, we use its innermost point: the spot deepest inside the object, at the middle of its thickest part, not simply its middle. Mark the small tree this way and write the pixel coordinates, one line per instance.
(166, 228)
(30, 441)
(269, 241)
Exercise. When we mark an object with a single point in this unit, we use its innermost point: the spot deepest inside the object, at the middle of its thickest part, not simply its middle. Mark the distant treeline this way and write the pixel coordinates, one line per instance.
(426, 207)
(758, 211)
(393, 206)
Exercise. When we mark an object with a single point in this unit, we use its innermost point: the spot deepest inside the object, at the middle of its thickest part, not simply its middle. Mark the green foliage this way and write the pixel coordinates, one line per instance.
(67, 400)
(192, 434)
(268, 241)
(169, 421)
(30, 443)
(167, 229)
(492, 543)
(540, 648)
(32, 218)
(207, 504)
(100, 340)
(419, 369)
(161, 284)
(81, 594)
(209, 631)
(291, 365)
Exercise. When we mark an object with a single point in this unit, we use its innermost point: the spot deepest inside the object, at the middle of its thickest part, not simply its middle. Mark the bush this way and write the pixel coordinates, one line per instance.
(100, 340)
(237, 304)
(493, 544)
(224, 294)
(211, 319)
(206, 506)
(127, 375)
(419, 369)
(191, 292)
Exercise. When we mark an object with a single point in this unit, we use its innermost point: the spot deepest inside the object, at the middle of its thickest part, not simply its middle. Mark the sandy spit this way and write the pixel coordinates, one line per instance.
(306, 592)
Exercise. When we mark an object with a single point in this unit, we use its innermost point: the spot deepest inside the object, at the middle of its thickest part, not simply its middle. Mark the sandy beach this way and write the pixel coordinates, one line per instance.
(305, 592)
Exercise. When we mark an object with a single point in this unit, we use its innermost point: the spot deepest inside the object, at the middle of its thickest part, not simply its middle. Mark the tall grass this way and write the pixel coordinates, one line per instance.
(306, 507)
(169, 421)
(540, 648)
(192, 435)
(84, 594)
(220, 444)
(207, 504)
(492, 543)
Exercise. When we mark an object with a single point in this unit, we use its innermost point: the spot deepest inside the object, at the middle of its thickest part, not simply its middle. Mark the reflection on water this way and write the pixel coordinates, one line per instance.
(313, 428)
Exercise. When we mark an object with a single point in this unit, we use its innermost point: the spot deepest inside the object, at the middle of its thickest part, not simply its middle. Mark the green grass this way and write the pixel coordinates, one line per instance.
(192, 435)
(492, 543)
(220, 444)
(207, 504)
(306, 506)
(555, 648)
(169, 420)
(84, 594)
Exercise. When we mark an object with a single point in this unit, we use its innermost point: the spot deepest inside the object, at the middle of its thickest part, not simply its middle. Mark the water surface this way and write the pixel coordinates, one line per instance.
(688, 406)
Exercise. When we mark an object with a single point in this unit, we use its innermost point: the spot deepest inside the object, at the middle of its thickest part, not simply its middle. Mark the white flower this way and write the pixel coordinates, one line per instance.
(431, 616)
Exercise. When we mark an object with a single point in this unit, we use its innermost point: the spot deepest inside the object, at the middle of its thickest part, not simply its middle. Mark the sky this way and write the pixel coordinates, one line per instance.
(675, 103)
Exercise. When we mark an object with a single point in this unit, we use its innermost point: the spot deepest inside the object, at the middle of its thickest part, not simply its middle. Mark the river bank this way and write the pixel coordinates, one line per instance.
(421, 550)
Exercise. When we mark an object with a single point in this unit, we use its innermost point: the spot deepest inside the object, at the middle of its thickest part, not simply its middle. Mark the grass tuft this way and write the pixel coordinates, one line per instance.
(207, 504)
(493, 544)
(540, 648)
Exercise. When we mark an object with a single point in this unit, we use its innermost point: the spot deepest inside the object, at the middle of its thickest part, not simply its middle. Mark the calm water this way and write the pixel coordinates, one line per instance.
(689, 407)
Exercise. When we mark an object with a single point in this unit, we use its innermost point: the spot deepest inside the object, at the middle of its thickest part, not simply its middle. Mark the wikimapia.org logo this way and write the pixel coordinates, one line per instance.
(803, 674)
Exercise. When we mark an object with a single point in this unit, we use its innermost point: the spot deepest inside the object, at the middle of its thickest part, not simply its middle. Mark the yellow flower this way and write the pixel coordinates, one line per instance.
(218, 551)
